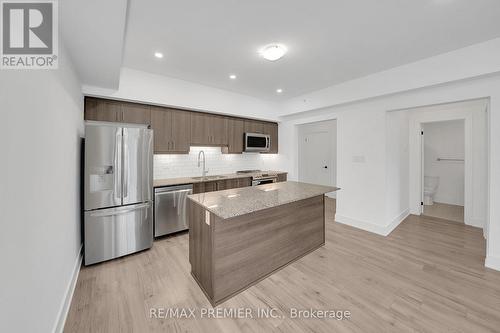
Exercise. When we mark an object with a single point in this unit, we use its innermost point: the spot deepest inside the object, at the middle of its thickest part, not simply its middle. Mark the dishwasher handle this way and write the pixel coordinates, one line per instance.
(181, 188)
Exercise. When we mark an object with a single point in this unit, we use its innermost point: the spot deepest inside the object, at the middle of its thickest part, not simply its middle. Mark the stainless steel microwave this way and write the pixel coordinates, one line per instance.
(256, 142)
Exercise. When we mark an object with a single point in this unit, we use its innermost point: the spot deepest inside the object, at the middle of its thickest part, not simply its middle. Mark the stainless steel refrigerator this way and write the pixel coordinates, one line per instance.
(118, 189)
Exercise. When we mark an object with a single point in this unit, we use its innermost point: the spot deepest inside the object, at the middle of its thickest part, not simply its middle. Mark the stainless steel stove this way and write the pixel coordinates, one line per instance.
(259, 177)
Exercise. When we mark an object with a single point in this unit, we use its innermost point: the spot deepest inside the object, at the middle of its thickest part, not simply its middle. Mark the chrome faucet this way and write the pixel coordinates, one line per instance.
(205, 171)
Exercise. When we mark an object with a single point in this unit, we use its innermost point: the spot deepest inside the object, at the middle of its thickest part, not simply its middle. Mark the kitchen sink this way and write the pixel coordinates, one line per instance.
(209, 177)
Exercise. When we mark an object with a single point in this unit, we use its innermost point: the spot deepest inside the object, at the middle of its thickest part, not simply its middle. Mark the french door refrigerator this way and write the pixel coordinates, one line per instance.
(118, 187)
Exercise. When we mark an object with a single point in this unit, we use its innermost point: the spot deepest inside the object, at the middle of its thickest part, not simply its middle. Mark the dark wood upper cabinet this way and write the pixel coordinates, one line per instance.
(176, 130)
(181, 131)
(207, 129)
(133, 113)
(218, 130)
(102, 110)
(254, 126)
(161, 125)
(272, 130)
(200, 133)
(171, 130)
(115, 111)
(235, 136)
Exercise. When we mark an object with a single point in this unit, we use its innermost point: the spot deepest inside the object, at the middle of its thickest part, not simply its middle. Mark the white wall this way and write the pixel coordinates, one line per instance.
(42, 123)
(397, 164)
(446, 139)
(173, 165)
(362, 135)
(150, 88)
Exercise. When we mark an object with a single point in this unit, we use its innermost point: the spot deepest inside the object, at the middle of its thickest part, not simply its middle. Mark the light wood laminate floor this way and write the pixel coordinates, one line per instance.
(445, 211)
(426, 276)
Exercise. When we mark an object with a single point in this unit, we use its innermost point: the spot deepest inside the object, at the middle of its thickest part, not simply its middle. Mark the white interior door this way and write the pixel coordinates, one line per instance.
(316, 158)
(422, 169)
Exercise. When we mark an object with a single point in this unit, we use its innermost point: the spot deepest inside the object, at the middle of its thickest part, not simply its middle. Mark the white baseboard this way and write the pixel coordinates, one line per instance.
(372, 227)
(478, 223)
(70, 289)
(397, 220)
(492, 262)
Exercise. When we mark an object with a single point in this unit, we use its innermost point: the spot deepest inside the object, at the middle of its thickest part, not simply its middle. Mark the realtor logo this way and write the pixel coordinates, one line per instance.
(29, 35)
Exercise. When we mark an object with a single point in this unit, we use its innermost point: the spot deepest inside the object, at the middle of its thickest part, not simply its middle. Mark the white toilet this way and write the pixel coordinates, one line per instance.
(430, 187)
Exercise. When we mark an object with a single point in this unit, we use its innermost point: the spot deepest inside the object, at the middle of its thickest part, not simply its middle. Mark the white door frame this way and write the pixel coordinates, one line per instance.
(422, 168)
(315, 119)
(333, 168)
(468, 154)
(416, 169)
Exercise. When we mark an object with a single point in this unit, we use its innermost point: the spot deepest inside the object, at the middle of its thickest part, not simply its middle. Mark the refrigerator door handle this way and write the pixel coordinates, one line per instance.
(119, 211)
(125, 163)
(117, 161)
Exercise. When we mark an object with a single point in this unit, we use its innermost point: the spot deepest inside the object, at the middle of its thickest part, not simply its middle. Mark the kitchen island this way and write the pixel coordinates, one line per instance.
(238, 237)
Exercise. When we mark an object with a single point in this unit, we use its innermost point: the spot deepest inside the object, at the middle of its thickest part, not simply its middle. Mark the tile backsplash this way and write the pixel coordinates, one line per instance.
(173, 166)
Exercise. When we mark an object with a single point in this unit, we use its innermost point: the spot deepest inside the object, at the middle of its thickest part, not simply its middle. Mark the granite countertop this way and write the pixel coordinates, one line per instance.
(193, 180)
(240, 201)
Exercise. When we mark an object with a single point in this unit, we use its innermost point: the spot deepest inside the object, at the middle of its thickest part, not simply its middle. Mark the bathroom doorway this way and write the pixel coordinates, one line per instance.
(443, 169)
(475, 116)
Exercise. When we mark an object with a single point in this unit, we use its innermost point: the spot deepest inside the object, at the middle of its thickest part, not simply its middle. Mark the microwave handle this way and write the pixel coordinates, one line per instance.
(268, 142)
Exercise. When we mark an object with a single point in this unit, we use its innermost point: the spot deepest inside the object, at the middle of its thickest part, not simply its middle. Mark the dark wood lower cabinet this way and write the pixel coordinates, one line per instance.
(220, 185)
(282, 177)
(204, 187)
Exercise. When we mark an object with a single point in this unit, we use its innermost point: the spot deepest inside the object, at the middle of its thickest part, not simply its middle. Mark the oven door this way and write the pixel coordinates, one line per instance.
(256, 142)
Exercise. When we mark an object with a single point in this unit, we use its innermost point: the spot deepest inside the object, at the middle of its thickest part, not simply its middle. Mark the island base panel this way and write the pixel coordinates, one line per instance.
(240, 251)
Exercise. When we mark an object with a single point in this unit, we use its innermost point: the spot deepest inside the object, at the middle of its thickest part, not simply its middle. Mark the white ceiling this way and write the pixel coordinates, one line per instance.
(93, 32)
(329, 41)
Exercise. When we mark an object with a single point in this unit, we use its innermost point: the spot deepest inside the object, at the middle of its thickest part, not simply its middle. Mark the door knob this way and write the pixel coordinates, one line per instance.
(325, 167)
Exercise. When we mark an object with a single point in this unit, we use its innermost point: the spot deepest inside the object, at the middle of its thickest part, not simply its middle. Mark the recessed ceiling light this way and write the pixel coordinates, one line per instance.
(232, 76)
(159, 55)
(279, 91)
(273, 52)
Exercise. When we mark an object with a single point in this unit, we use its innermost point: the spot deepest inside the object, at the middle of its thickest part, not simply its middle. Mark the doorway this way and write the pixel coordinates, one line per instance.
(318, 153)
(443, 176)
(474, 114)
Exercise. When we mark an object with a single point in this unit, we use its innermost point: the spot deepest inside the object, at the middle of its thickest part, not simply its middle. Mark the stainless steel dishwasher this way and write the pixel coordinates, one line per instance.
(170, 213)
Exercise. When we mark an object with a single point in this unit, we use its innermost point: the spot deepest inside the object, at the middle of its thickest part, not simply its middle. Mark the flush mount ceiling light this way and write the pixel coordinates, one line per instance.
(279, 91)
(159, 55)
(273, 52)
(232, 77)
